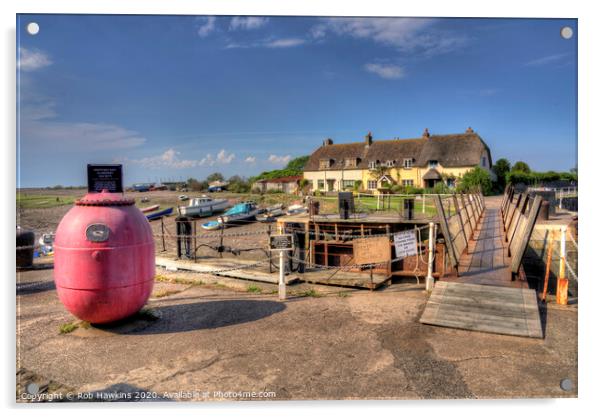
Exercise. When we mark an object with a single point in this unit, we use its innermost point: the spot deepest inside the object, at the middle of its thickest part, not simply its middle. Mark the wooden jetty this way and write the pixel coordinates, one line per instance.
(489, 293)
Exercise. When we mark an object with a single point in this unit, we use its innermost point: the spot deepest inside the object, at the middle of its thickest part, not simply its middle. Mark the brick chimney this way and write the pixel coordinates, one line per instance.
(426, 134)
(368, 139)
(328, 141)
(469, 130)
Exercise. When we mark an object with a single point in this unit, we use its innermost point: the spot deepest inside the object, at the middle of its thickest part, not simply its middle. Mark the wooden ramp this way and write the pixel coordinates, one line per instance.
(485, 308)
(224, 267)
(344, 278)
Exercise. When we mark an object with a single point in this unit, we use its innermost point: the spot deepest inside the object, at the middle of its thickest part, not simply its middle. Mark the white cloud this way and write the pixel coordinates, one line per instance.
(224, 157)
(247, 23)
(31, 60)
(405, 34)
(171, 159)
(275, 159)
(389, 72)
(79, 136)
(285, 43)
(269, 43)
(250, 159)
(550, 59)
(207, 27)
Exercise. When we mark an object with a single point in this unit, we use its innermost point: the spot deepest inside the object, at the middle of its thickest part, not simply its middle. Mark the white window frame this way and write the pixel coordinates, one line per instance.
(407, 163)
(390, 164)
(407, 183)
(433, 164)
(372, 184)
(372, 165)
(321, 184)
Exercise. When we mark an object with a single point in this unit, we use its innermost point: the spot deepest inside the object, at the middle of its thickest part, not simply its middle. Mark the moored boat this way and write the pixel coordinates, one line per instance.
(203, 206)
(212, 225)
(242, 212)
(149, 208)
(159, 214)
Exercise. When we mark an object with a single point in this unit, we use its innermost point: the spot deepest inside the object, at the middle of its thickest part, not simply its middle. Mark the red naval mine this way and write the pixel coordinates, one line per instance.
(104, 258)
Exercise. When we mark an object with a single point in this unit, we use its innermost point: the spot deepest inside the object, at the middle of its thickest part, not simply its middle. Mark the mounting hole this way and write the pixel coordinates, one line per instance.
(566, 32)
(566, 384)
(33, 28)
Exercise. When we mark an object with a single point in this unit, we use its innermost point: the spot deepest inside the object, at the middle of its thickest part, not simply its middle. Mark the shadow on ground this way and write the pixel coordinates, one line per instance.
(34, 287)
(197, 316)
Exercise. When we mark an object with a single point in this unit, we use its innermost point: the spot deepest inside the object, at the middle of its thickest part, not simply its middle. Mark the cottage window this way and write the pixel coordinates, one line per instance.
(484, 162)
(372, 185)
(407, 163)
(372, 164)
(320, 184)
(433, 163)
(350, 162)
(390, 164)
(451, 182)
(348, 184)
(325, 163)
(407, 183)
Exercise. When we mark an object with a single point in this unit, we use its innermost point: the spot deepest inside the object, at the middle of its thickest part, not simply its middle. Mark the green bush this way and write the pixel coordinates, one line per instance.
(474, 179)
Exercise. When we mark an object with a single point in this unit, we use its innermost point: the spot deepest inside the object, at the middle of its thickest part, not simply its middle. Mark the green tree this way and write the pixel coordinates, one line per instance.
(297, 164)
(475, 178)
(521, 166)
(216, 176)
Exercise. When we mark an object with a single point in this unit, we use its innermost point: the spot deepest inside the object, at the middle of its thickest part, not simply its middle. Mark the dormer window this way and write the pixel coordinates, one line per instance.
(433, 163)
(350, 162)
(325, 163)
(372, 164)
(390, 164)
(407, 163)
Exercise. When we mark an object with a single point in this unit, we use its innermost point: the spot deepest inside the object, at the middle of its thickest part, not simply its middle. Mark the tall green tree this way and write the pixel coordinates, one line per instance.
(216, 176)
(522, 167)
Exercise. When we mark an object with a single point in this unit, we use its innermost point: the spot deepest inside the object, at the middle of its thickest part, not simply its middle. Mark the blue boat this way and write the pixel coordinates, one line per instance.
(159, 214)
(212, 225)
(240, 213)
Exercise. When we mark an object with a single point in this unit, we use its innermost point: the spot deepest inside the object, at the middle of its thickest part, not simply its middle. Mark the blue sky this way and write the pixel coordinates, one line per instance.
(175, 97)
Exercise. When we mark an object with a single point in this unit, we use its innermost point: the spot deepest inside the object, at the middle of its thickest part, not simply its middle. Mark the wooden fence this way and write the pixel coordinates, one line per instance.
(519, 214)
(458, 228)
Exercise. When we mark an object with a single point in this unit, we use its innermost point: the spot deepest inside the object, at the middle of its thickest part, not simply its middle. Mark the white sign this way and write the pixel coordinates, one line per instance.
(405, 243)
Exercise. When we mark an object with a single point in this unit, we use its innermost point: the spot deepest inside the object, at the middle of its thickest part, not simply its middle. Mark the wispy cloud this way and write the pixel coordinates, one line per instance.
(80, 136)
(269, 43)
(207, 26)
(415, 35)
(247, 23)
(250, 159)
(550, 59)
(171, 159)
(386, 71)
(31, 60)
(275, 159)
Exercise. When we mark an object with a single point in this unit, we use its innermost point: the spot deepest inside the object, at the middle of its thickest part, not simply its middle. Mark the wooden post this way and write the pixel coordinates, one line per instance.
(430, 281)
(517, 257)
(548, 264)
(163, 233)
(281, 283)
(194, 238)
(562, 287)
(269, 252)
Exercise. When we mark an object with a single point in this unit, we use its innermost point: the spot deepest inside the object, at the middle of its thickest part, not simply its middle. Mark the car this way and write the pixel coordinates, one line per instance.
(183, 197)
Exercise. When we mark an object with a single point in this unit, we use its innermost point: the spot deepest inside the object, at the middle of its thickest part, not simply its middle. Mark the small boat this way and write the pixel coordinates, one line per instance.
(203, 207)
(296, 209)
(212, 225)
(183, 197)
(271, 213)
(159, 214)
(242, 212)
(149, 208)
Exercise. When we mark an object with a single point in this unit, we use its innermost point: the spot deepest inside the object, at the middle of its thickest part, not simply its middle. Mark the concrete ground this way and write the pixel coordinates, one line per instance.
(220, 339)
